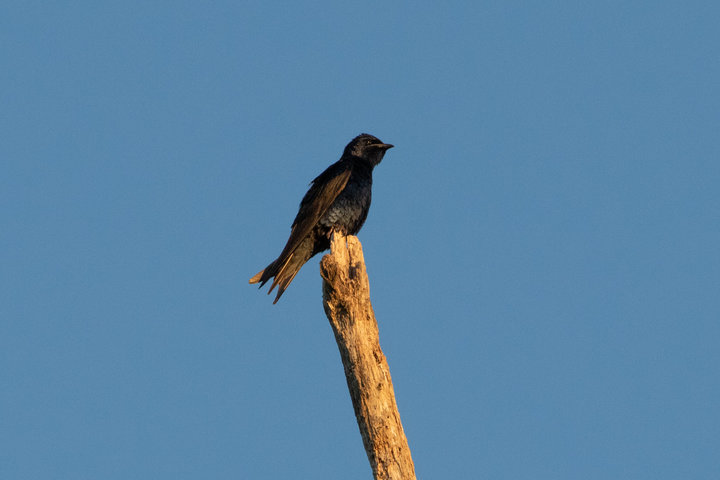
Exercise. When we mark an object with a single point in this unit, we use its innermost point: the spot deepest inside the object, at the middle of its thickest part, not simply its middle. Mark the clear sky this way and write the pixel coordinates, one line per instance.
(543, 245)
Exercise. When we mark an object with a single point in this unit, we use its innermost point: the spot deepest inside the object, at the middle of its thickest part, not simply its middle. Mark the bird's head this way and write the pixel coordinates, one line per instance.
(368, 148)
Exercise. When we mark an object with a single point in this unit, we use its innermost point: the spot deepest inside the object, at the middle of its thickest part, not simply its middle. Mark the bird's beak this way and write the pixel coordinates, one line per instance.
(384, 146)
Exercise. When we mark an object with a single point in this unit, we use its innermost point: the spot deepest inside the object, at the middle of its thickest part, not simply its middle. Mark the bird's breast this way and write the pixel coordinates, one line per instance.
(349, 210)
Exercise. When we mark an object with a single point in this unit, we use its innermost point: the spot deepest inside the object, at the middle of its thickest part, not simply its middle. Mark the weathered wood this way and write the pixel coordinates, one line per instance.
(346, 298)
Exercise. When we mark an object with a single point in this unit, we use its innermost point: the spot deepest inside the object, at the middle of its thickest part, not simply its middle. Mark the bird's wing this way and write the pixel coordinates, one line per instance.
(323, 192)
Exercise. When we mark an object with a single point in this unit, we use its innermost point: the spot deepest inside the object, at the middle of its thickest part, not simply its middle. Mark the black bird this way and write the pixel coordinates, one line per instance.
(338, 201)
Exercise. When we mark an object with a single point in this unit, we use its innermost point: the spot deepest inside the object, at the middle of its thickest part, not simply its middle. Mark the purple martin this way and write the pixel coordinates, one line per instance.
(338, 201)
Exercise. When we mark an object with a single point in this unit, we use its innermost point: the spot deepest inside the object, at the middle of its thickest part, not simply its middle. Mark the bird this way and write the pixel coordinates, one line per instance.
(338, 200)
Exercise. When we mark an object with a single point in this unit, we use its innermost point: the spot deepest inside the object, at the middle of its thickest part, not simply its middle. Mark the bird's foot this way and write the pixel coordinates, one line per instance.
(337, 236)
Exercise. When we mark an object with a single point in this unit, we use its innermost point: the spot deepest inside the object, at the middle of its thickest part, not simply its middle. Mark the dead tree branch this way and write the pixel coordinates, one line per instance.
(346, 298)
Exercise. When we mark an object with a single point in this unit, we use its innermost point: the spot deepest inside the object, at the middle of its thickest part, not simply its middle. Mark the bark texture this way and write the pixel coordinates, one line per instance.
(346, 298)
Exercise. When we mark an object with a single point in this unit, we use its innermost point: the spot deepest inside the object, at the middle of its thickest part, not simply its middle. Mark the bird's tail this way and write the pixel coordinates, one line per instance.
(283, 270)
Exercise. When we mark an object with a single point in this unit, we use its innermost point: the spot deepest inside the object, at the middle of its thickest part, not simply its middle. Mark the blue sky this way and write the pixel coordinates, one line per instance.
(542, 245)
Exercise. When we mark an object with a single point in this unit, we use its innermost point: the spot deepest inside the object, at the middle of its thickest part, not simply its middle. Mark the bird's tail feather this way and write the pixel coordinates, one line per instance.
(257, 277)
(264, 275)
(285, 275)
(283, 270)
